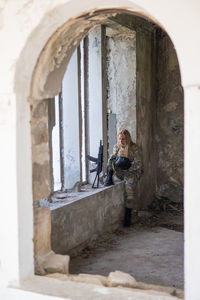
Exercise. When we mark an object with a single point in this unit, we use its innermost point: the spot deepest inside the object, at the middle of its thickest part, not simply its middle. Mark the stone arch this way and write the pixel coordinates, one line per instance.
(44, 43)
(54, 57)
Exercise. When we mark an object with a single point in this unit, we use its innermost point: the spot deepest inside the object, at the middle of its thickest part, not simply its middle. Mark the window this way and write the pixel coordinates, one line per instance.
(78, 115)
(98, 98)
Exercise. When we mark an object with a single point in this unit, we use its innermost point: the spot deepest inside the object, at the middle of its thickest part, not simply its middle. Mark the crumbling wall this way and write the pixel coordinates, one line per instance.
(41, 175)
(121, 77)
(46, 261)
(146, 101)
(169, 122)
(159, 112)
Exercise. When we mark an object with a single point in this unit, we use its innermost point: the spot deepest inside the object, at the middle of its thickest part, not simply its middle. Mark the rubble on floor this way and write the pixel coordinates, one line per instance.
(151, 250)
(118, 279)
(168, 219)
(161, 203)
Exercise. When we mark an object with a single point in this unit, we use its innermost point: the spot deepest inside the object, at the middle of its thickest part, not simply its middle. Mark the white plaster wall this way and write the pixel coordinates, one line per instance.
(17, 294)
(192, 205)
(26, 27)
(71, 142)
(9, 268)
(121, 70)
(83, 113)
(56, 148)
(94, 94)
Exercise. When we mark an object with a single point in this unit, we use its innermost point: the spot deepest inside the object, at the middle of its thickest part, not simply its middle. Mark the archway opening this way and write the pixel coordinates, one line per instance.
(158, 115)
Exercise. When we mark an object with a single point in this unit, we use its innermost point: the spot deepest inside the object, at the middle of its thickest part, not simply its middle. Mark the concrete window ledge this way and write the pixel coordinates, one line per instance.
(40, 287)
(78, 219)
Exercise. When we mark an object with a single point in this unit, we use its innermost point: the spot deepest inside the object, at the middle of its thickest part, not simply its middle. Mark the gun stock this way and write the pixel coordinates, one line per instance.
(99, 162)
(93, 170)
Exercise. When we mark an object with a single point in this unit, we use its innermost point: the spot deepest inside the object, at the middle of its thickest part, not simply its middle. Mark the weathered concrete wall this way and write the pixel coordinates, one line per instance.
(77, 224)
(45, 260)
(146, 101)
(169, 122)
(40, 149)
(55, 56)
(121, 77)
(41, 175)
(159, 112)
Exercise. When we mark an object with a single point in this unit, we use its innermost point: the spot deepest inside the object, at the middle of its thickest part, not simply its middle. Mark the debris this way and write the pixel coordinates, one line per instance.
(119, 278)
(165, 204)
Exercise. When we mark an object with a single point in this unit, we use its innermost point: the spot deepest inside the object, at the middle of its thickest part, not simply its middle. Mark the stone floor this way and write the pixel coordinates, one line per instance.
(151, 251)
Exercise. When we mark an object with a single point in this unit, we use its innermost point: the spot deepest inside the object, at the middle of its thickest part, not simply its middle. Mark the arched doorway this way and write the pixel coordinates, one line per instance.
(46, 83)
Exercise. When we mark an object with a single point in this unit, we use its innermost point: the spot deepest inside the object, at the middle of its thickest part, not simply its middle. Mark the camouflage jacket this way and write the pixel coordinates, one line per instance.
(134, 155)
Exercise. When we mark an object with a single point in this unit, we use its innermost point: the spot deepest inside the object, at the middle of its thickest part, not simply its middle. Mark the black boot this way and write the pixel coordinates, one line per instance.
(109, 180)
(127, 217)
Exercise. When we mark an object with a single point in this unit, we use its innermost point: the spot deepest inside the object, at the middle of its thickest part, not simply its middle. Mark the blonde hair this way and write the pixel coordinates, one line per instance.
(127, 135)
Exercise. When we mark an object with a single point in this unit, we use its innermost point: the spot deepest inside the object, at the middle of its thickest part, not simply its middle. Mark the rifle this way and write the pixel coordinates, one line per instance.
(99, 162)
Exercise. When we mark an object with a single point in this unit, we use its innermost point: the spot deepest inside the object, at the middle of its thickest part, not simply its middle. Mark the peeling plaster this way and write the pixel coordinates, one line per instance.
(121, 78)
(52, 63)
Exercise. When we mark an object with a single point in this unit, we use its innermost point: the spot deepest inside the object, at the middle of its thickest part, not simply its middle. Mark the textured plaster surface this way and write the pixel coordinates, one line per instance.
(40, 150)
(56, 54)
(41, 176)
(159, 112)
(145, 103)
(42, 230)
(121, 77)
(169, 124)
(146, 110)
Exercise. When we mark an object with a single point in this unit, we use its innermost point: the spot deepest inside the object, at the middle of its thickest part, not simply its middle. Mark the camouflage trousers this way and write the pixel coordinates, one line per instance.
(130, 184)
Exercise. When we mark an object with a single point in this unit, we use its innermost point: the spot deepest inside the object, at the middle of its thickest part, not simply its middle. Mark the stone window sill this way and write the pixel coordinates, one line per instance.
(59, 198)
